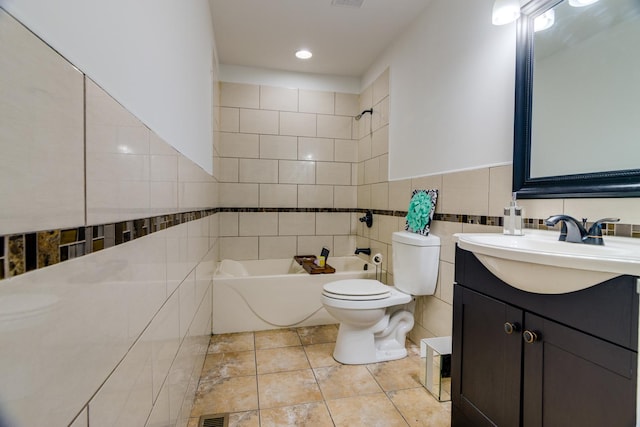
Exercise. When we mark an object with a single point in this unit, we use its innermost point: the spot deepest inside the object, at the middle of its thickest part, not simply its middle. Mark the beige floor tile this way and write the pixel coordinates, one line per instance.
(281, 359)
(397, 374)
(234, 394)
(321, 355)
(313, 414)
(419, 408)
(277, 338)
(318, 334)
(287, 388)
(365, 411)
(193, 422)
(225, 365)
(345, 381)
(244, 419)
(412, 348)
(225, 343)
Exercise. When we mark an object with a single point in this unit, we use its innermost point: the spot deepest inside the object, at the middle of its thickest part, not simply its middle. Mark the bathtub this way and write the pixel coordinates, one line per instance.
(276, 293)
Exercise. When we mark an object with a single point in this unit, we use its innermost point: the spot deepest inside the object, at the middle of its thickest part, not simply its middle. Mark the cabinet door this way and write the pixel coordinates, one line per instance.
(574, 379)
(486, 361)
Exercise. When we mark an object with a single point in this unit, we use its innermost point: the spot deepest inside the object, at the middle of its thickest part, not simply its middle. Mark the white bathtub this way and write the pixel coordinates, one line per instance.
(275, 293)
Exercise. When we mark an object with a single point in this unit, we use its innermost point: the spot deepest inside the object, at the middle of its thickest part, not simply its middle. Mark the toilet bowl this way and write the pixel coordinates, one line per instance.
(374, 319)
(361, 307)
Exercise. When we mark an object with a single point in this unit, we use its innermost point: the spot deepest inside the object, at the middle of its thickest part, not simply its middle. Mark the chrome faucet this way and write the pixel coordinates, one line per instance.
(574, 231)
(366, 251)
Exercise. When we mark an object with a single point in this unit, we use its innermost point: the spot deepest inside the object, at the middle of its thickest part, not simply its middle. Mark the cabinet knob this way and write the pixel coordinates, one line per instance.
(510, 328)
(529, 337)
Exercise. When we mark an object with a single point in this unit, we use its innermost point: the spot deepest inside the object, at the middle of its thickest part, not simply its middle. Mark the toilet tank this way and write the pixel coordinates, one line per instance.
(415, 262)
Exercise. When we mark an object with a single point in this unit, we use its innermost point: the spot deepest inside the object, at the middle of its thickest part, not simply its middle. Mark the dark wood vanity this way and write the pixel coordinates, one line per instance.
(525, 359)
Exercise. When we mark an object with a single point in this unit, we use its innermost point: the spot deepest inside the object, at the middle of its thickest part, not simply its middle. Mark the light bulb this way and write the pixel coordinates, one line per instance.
(544, 21)
(303, 54)
(505, 11)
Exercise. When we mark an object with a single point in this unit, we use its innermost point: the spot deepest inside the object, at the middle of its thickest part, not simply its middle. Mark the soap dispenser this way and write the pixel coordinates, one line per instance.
(513, 222)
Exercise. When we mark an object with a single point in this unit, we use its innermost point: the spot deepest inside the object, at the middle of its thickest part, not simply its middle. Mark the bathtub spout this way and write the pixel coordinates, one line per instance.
(366, 251)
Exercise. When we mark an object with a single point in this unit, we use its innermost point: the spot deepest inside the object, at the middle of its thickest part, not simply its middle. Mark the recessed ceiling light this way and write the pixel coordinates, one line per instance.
(303, 54)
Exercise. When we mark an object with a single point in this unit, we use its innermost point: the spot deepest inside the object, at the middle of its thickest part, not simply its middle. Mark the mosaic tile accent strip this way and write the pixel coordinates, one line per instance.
(20, 253)
(16, 255)
(1, 257)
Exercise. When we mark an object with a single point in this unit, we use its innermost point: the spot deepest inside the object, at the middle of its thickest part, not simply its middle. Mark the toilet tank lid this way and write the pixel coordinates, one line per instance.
(415, 239)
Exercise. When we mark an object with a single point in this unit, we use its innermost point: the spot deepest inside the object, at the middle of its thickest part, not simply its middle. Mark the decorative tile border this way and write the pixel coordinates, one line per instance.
(20, 253)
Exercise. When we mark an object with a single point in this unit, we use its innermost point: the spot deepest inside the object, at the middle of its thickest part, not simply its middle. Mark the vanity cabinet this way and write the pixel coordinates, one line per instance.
(523, 359)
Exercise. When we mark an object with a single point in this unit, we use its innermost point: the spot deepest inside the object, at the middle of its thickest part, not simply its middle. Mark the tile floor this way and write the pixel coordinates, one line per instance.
(287, 377)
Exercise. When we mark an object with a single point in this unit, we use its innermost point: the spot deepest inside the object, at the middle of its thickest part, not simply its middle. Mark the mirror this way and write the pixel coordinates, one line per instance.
(577, 112)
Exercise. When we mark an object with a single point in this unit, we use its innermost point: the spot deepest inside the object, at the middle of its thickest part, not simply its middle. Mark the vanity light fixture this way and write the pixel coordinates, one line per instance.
(303, 54)
(581, 3)
(505, 11)
(544, 21)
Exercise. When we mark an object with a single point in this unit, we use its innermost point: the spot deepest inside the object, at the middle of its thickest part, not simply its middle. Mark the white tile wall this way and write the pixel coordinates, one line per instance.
(258, 170)
(239, 95)
(277, 247)
(259, 121)
(315, 196)
(297, 124)
(229, 119)
(119, 353)
(278, 147)
(347, 104)
(320, 102)
(278, 195)
(239, 195)
(334, 126)
(258, 223)
(297, 172)
(333, 173)
(239, 145)
(278, 98)
(297, 223)
(41, 130)
(315, 149)
(345, 196)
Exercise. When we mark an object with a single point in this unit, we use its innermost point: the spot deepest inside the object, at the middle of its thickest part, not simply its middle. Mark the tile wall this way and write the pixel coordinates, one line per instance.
(287, 171)
(108, 243)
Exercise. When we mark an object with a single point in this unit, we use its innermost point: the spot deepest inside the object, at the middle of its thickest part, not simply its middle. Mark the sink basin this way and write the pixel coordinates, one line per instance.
(537, 262)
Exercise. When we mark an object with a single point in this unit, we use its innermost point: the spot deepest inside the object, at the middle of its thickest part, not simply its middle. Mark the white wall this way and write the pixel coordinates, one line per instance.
(451, 91)
(154, 56)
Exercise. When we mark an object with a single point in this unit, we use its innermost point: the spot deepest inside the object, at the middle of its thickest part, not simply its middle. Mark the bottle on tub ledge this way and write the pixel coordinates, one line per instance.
(322, 259)
(513, 221)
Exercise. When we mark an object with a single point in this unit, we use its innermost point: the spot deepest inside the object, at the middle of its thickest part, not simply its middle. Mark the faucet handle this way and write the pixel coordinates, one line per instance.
(594, 235)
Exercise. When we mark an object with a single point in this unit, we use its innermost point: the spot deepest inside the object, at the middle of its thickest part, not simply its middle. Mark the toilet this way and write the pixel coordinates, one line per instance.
(374, 319)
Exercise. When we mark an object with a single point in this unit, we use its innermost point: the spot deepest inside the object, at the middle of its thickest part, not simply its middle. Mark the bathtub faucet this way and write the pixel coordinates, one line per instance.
(366, 251)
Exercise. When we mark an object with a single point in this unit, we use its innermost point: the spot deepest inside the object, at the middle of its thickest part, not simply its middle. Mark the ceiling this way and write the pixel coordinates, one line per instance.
(344, 40)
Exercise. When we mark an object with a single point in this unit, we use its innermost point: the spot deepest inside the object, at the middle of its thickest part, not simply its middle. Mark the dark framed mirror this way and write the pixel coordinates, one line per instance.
(577, 105)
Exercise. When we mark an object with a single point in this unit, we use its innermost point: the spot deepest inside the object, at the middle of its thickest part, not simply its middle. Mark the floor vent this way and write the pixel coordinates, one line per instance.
(216, 420)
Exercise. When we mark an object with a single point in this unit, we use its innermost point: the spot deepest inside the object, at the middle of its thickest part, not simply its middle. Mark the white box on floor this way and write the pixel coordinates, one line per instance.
(437, 378)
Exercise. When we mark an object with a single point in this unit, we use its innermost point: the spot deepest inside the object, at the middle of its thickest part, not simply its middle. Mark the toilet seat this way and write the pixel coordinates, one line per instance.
(356, 290)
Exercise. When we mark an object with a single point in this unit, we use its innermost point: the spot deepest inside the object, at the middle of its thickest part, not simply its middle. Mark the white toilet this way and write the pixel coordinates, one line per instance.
(373, 320)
